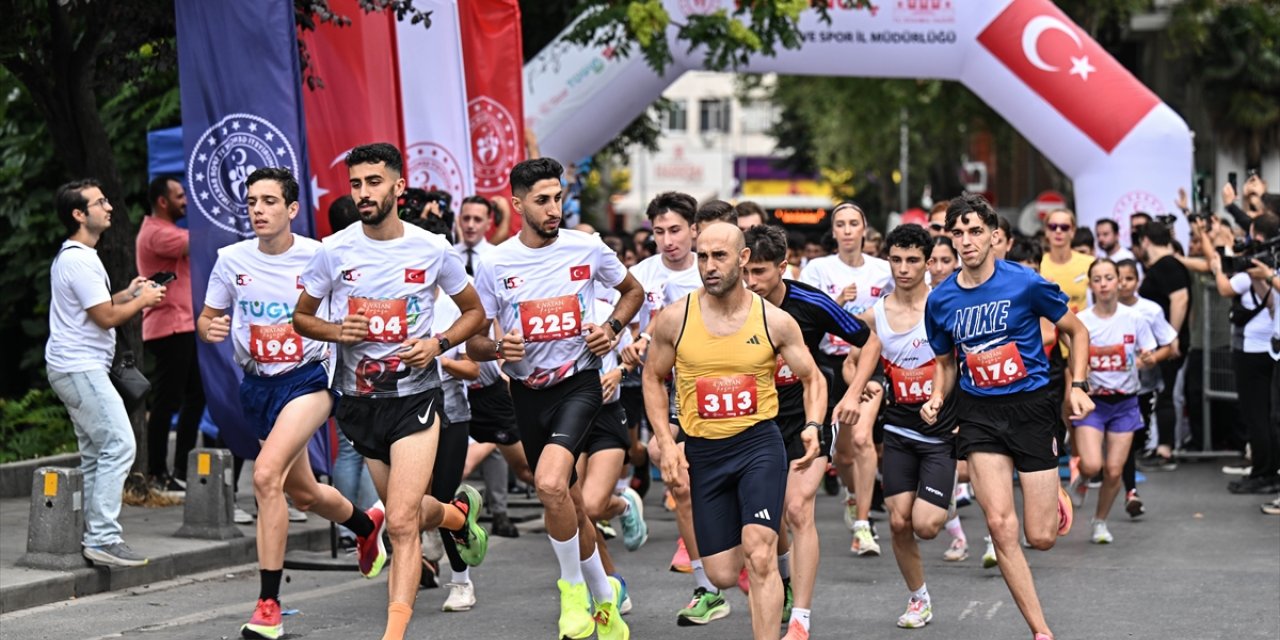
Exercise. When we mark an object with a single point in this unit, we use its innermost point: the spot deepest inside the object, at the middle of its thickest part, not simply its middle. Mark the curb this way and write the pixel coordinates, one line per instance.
(90, 580)
(16, 477)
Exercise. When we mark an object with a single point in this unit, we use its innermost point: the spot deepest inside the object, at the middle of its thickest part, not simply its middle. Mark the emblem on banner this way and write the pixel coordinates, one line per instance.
(221, 161)
(433, 167)
(494, 145)
(698, 7)
(1135, 201)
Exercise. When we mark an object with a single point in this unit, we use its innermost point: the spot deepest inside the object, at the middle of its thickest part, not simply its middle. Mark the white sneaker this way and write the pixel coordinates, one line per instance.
(1100, 533)
(850, 509)
(242, 517)
(295, 515)
(864, 544)
(989, 557)
(462, 596)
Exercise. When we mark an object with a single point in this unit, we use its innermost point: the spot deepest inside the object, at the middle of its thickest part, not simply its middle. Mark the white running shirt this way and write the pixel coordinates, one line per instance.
(662, 286)
(547, 294)
(831, 275)
(1114, 344)
(613, 359)
(393, 283)
(457, 408)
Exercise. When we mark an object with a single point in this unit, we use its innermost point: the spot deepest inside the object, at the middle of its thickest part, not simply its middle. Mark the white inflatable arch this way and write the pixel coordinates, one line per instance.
(1124, 149)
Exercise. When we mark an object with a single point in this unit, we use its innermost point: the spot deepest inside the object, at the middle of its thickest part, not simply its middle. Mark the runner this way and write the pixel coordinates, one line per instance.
(855, 281)
(538, 288)
(817, 316)
(1120, 344)
(723, 341)
(285, 392)
(991, 310)
(919, 457)
(384, 274)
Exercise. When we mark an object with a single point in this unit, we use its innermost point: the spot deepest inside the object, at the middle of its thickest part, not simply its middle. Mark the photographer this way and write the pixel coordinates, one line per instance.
(1251, 284)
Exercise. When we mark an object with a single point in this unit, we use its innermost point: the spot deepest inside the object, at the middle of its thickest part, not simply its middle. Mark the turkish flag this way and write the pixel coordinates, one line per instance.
(417, 276)
(1063, 65)
(358, 103)
(580, 272)
(492, 51)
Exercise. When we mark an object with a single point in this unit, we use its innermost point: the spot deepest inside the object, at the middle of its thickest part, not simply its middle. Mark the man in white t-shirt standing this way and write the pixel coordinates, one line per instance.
(855, 281)
(539, 288)
(83, 315)
(475, 218)
(1107, 231)
(381, 278)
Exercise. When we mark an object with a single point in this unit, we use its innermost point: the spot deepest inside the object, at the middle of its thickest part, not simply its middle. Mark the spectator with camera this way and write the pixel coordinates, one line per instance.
(1250, 281)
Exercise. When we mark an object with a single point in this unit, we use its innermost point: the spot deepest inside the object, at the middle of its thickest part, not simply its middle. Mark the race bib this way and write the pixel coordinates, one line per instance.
(387, 319)
(726, 396)
(782, 375)
(274, 343)
(551, 318)
(1108, 358)
(996, 367)
(911, 386)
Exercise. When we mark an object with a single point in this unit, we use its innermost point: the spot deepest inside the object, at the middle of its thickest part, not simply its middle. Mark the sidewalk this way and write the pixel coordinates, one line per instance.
(149, 531)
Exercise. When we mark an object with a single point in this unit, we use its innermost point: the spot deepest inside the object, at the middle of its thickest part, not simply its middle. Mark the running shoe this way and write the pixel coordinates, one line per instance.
(850, 509)
(680, 562)
(576, 622)
(429, 577)
(606, 529)
(703, 608)
(1271, 508)
(962, 495)
(957, 552)
(864, 544)
(919, 613)
(624, 602)
(370, 551)
(1065, 514)
(1157, 462)
(472, 540)
(1043, 636)
(1096, 481)
(608, 618)
(831, 481)
(462, 596)
(796, 632)
(241, 517)
(989, 556)
(116, 554)
(788, 600)
(265, 622)
(1133, 504)
(295, 515)
(433, 545)
(744, 581)
(635, 531)
(669, 501)
(1078, 489)
(503, 526)
(1100, 533)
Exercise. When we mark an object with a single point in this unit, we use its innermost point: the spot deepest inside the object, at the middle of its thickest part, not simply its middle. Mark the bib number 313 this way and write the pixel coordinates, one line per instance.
(387, 318)
(996, 367)
(551, 318)
(726, 396)
(272, 343)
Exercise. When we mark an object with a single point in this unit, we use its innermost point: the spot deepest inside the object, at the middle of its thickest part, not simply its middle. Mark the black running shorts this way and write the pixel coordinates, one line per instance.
(1021, 426)
(924, 468)
(493, 418)
(734, 482)
(561, 415)
(374, 424)
(609, 430)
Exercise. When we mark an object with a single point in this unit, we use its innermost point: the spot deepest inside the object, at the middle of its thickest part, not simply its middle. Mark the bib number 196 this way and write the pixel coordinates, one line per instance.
(272, 343)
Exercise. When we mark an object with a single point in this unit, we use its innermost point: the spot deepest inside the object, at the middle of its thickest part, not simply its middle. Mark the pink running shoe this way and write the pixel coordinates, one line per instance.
(369, 549)
(1065, 513)
(680, 562)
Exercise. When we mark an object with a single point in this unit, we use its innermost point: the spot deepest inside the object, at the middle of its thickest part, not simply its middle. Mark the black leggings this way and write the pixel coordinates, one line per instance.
(175, 388)
(1166, 415)
(446, 477)
(1146, 405)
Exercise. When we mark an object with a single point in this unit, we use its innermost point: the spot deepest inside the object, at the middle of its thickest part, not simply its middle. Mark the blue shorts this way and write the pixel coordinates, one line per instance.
(1114, 414)
(734, 482)
(263, 398)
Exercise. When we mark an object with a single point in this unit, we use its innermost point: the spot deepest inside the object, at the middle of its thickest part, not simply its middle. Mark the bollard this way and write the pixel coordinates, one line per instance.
(56, 527)
(210, 499)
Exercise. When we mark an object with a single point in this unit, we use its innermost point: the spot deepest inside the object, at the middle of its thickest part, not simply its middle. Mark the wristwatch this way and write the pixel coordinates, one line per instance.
(444, 343)
(615, 324)
(1082, 385)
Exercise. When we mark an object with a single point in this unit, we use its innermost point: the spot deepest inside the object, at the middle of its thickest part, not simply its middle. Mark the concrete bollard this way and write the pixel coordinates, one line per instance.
(210, 500)
(56, 527)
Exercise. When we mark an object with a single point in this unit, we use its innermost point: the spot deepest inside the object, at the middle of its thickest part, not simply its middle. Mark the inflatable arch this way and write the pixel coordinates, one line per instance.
(1124, 149)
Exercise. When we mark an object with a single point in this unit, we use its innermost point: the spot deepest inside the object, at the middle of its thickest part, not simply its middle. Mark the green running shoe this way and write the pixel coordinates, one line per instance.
(608, 619)
(576, 622)
(788, 600)
(703, 608)
(472, 540)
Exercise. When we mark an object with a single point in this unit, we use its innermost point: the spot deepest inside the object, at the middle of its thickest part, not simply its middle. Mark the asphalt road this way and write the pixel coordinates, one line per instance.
(1202, 564)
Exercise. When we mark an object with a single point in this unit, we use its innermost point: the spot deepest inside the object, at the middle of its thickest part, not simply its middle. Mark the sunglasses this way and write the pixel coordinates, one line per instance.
(936, 227)
(1058, 227)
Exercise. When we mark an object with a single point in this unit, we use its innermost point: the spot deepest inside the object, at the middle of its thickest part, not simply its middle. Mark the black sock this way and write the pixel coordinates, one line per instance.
(359, 522)
(270, 584)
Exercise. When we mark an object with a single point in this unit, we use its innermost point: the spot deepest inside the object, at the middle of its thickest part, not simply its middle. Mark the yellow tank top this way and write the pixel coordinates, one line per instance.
(724, 384)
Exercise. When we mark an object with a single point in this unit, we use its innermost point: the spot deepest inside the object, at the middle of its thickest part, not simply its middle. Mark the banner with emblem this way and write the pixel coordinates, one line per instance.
(356, 101)
(241, 110)
(495, 97)
(433, 96)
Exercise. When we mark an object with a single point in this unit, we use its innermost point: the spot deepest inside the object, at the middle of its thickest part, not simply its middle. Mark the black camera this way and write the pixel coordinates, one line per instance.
(1267, 253)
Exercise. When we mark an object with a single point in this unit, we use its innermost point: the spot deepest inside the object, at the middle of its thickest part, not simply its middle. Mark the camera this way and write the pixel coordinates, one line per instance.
(1267, 253)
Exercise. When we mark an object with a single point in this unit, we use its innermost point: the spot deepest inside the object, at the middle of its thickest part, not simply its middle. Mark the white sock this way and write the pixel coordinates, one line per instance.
(954, 528)
(597, 579)
(462, 577)
(700, 575)
(622, 484)
(801, 616)
(626, 507)
(784, 565)
(859, 524)
(567, 555)
(921, 594)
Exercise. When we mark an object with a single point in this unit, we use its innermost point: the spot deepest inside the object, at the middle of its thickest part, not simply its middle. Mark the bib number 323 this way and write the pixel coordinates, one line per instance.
(996, 367)
(1107, 358)
(387, 318)
(272, 343)
(726, 396)
(551, 318)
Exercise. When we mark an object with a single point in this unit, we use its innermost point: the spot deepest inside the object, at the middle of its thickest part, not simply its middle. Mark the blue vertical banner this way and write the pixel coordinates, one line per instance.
(241, 91)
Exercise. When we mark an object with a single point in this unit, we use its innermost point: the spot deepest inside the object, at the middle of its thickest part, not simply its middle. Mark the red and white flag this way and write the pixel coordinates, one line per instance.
(358, 103)
(433, 96)
(491, 47)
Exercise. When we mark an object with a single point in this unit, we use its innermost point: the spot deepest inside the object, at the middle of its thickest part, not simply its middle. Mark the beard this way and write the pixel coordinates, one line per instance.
(727, 283)
(543, 233)
(380, 213)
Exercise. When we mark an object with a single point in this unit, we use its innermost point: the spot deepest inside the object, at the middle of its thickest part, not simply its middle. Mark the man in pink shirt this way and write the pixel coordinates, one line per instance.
(168, 334)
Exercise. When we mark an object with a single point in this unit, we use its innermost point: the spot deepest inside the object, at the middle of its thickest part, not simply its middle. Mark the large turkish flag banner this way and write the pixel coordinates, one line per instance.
(357, 101)
(1072, 72)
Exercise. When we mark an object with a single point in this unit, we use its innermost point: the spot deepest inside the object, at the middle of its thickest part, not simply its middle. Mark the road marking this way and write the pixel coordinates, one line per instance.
(973, 604)
(991, 613)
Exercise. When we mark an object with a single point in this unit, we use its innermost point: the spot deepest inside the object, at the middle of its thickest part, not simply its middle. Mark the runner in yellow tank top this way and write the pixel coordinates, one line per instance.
(723, 341)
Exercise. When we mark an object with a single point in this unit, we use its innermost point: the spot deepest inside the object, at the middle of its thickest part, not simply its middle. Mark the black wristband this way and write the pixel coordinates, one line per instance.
(811, 423)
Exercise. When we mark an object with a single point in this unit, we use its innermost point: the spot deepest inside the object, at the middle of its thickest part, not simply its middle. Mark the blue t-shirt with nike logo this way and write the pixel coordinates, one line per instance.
(1004, 310)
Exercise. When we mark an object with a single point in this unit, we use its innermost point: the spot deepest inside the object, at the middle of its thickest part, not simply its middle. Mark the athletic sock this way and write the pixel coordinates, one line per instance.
(567, 554)
(956, 531)
(270, 579)
(398, 614)
(597, 580)
(784, 565)
(858, 524)
(700, 575)
(801, 616)
(455, 516)
(359, 522)
(622, 484)
(462, 577)
(921, 594)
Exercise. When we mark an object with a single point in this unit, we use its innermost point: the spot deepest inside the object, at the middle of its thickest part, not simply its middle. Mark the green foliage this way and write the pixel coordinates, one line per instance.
(33, 426)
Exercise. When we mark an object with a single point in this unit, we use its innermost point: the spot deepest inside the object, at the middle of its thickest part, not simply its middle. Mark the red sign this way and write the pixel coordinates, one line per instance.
(1063, 65)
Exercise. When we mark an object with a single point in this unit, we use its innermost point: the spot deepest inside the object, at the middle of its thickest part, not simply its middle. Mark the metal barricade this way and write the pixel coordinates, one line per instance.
(1218, 376)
